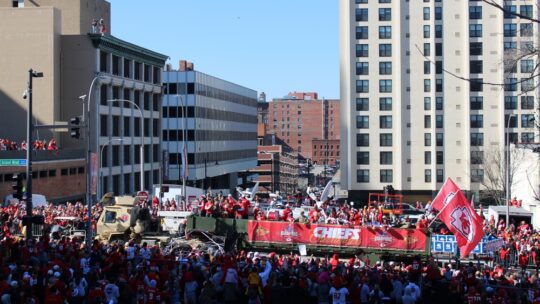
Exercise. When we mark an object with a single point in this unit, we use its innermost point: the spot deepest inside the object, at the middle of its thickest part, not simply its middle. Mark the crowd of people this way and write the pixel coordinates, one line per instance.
(6, 144)
(58, 269)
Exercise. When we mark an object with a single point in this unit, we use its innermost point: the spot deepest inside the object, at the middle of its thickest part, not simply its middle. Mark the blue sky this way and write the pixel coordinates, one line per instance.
(272, 46)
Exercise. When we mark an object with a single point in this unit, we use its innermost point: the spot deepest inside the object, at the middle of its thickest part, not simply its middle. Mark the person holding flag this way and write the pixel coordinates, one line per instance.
(458, 215)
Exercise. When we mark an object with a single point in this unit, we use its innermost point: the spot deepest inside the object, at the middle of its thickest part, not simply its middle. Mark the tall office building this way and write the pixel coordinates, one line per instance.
(219, 121)
(408, 119)
(56, 37)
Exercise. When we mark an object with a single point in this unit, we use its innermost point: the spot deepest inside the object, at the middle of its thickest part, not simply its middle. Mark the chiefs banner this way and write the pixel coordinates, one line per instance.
(337, 236)
(459, 216)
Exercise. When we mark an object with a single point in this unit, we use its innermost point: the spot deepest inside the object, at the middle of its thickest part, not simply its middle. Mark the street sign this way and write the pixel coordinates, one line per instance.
(12, 162)
(143, 195)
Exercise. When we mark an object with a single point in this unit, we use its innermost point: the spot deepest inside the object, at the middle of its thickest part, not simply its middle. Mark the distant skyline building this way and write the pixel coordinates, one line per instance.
(301, 117)
(407, 121)
(221, 133)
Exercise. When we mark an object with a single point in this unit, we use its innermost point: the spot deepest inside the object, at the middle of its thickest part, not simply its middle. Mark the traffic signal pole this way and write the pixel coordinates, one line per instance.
(29, 147)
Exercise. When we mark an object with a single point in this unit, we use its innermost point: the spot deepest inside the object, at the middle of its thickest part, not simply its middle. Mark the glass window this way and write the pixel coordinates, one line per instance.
(362, 122)
(527, 120)
(475, 30)
(439, 103)
(362, 86)
(527, 66)
(510, 30)
(362, 32)
(427, 139)
(527, 84)
(438, 85)
(510, 102)
(362, 104)
(526, 10)
(362, 176)
(385, 1)
(438, 13)
(362, 50)
(439, 121)
(385, 32)
(427, 85)
(426, 13)
(361, 14)
(362, 68)
(477, 121)
(475, 12)
(513, 121)
(362, 140)
(427, 121)
(440, 157)
(385, 86)
(427, 176)
(438, 49)
(385, 68)
(476, 84)
(385, 121)
(427, 103)
(438, 67)
(427, 31)
(527, 102)
(477, 175)
(362, 158)
(476, 66)
(527, 137)
(427, 157)
(385, 104)
(386, 139)
(510, 46)
(526, 29)
(440, 175)
(510, 84)
(477, 157)
(427, 67)
(439, 137)
(385, 14)
(475, 48)
(361, 1)
(386, 158)
(385, 50)
(427, 49)
(477, 139)
(438, 31)
(386, 176)
(510, 11)
(477, 102)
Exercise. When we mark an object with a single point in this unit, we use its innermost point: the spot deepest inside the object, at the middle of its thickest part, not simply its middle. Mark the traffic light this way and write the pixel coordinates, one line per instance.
(74, 127)
(17, 186)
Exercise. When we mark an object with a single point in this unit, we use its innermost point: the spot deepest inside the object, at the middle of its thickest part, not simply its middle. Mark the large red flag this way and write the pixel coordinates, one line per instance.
(459, 216)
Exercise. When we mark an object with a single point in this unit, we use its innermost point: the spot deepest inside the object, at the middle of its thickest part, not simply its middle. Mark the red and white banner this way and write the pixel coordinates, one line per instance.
(457, 214)
(337, 236)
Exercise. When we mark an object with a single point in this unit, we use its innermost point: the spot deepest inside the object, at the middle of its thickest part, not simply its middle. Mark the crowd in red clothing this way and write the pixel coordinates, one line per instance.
(6, 144)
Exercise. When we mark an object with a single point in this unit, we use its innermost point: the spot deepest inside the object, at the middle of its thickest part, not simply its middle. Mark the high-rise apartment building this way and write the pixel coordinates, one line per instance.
(417, 97)
(216, 119)
(299, 118)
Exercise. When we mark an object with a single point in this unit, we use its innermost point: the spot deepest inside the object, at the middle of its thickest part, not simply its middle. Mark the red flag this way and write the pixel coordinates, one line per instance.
(459, 216)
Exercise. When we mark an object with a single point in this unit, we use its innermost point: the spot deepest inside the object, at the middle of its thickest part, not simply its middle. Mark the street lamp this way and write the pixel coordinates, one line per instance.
(507, 167)
(142, 136)
(99, 164)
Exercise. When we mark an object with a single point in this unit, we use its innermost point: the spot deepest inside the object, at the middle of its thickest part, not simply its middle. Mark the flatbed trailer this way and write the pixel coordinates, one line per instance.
(382, 243)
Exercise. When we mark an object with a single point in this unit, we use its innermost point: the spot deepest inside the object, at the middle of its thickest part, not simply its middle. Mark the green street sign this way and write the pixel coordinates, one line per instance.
(12, 162)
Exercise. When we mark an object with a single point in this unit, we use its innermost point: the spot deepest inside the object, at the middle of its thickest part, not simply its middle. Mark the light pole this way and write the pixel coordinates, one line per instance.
(86, 120)
(99, 164)
(507, 167)
(142, 136)
(29, 147)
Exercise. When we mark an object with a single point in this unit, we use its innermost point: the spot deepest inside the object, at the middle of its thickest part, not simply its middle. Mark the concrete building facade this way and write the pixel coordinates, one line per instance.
(410, 119)
(55, 37)
(220, 120)
(299, 118)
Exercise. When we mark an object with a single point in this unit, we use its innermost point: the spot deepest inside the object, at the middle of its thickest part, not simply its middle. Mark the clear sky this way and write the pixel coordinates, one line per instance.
(272, 46)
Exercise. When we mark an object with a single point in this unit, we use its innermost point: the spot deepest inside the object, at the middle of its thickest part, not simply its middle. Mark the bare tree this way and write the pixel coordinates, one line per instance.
(494, 166)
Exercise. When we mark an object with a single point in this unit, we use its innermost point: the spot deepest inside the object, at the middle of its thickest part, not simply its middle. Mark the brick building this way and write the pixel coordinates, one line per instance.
(299, 118)
(325, 150)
